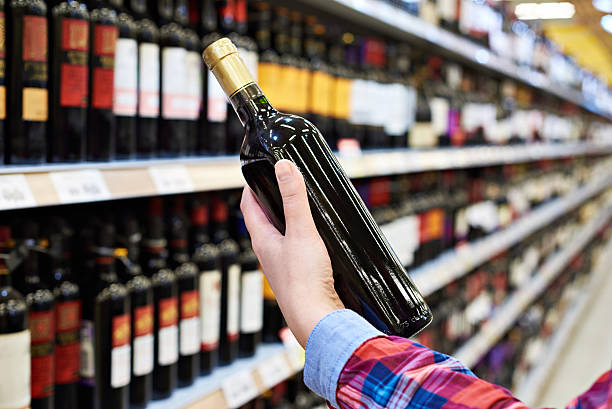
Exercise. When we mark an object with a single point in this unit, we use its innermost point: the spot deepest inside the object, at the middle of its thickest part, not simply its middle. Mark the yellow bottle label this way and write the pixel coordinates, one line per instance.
(268, 294)
(269, 81)
(302, 89)
(320, 100)
(289, 79)
(2, 102)
(341, 98)
(35, 104)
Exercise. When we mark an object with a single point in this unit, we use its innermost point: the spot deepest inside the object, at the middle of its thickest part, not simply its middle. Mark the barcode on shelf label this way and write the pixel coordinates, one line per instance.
(15, 192)
(239, 388)
(80, 186)
(274, 371)
(171, 179)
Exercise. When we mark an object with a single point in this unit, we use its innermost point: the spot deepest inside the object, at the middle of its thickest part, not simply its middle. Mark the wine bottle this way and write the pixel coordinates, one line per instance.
(229, 328)
(199, 231)
(369, 277)
(172, 140)
(40, 301)
(101, 125)
(125, 101)
(14, 336)
(27, 94)
(187, 277)
(111, 326)
(300, 103)
(194, 71)
(67, 316)
(141, 302)
(165, 299)
(251, 303)
(214, 110)
(341, 92)
(207, 259)
(2, 82)
(69, 73)
(148, 80)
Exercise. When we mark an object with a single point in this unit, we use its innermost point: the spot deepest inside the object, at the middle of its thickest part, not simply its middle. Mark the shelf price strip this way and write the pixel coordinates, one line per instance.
(239, 389)
(80, 186)
(15, 192)
(171, 179)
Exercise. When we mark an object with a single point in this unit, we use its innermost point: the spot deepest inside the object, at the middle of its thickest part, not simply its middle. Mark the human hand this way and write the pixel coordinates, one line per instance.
(297, 264)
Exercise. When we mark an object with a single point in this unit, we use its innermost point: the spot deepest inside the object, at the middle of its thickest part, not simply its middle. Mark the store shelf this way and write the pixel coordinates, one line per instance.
(241, 381)
(529, 389)
(43, 185)
(505, 316)
(385, 18)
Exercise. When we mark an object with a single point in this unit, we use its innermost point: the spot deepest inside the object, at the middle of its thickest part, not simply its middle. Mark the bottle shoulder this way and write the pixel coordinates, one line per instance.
(138, 283)
(40, 297)
(114, 291)
(66, 290)
(29, 7)
(73, 10)
(103, 15)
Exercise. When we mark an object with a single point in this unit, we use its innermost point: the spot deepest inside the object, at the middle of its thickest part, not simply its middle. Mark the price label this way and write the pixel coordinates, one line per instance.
(239, 388)
(171, 179)
(80, 186)
(15, 192)
(274, 371)
(295, 352)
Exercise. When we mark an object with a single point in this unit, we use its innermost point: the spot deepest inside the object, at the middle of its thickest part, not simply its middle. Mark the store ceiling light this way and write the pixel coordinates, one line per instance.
(545, 11)
(606, 23)
(603, 5)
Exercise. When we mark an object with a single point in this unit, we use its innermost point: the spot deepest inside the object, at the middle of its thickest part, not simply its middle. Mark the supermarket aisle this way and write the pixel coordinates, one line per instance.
(587, 354)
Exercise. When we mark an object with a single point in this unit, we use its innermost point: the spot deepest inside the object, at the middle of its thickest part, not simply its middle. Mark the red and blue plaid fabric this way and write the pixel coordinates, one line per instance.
(395, 373)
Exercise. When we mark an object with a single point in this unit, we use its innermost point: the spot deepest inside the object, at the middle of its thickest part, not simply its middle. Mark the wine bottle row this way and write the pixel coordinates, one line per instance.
(106, 80)
(464, 306)
(122, 305)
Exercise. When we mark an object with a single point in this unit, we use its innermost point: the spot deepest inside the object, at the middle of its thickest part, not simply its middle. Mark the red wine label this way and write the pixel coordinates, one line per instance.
(431, 225)
(190, 323)
(103, 65)
(34, 38)
(148, 80)
(210, 309)
(74, 69)
(42, 365)
(240, 13)
(67, 346)
(143, 340)
(15, 374)
(2, 38)
(168, 331)
(251, 302)
(233, 302)
(120, 352)
(126, 77)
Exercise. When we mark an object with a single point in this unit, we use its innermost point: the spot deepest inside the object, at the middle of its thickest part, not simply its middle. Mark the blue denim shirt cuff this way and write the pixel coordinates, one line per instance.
(330, 345)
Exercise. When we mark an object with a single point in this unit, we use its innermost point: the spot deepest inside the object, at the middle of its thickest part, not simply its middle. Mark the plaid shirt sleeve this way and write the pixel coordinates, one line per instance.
(354, 366)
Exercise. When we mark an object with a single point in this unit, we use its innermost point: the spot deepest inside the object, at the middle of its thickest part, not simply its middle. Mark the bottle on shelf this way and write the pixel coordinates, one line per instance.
(172, 140)
(2, 84)
(141, 303)
(341, 90)
(69, 44)
(214, 110)
(148, 80)
(67, 314)
(396, 308)
(101, 124)
(199, 232)
(165, 298)
(125, 100)
(14, 334)
(251, 303)
(195, 88)
(26, 73)
(41, 314)
(229, 327)
(300, 64)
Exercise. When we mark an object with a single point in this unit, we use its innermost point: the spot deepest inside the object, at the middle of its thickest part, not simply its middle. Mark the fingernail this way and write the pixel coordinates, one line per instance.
(283, 170)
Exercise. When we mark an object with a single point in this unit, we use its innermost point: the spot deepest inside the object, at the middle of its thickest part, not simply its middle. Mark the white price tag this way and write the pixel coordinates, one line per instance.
(239, 388)
(15, 192)
(171, 179)
(80, 186)
(274, 371)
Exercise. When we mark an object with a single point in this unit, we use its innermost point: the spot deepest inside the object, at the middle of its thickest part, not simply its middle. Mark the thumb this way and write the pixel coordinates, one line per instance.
(295, 199)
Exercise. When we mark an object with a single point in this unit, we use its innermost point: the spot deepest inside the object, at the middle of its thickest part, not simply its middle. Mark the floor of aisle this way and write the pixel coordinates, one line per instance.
(586, 355)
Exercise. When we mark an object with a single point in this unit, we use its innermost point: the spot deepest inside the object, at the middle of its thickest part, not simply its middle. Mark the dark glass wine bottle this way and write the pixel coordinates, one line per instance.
(14, 335)
(199, 233)
(148, 80)
(67, 316)
(251, 303)
(187, 277)
(69, 72)
(206, 258)
(125, 100)
(2, 81)
(141, 301)
(27, 96)
(41, 314)
(101, 124)
(229, 328)
(369, 276)
(165, 299)
(194, 71)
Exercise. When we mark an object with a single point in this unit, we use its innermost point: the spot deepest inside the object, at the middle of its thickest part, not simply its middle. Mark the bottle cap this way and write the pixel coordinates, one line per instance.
(222, 58)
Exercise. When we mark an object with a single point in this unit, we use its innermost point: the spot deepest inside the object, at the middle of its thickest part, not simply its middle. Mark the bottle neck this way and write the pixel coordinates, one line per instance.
(251, 104)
